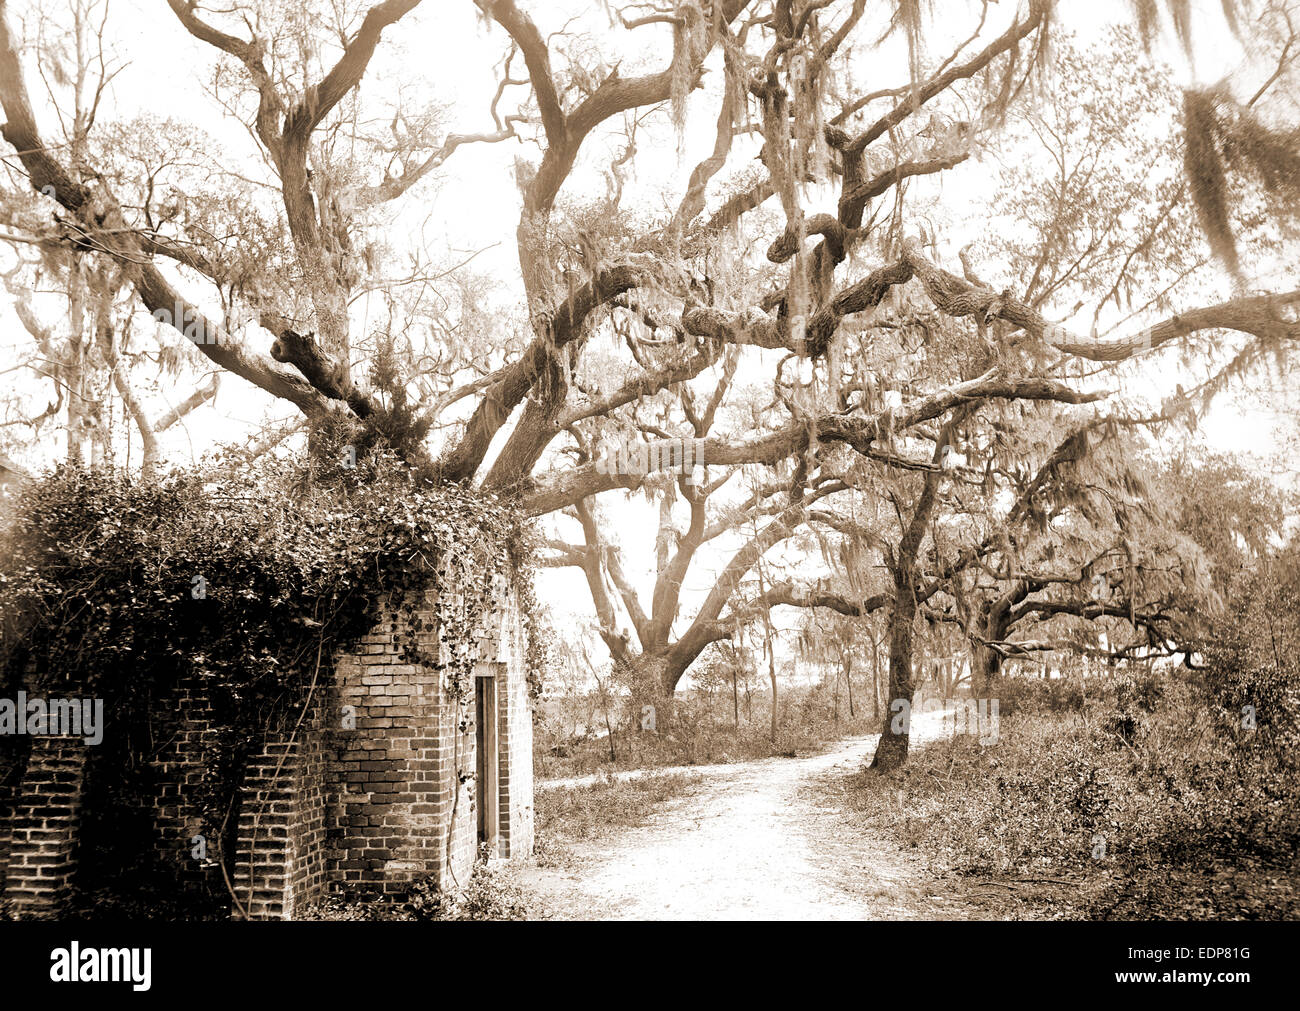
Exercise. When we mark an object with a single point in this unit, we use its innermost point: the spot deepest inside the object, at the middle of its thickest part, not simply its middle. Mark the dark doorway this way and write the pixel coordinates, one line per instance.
(485, 720)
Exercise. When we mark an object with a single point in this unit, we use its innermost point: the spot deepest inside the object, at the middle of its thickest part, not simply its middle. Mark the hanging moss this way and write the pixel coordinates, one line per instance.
(1203, 162)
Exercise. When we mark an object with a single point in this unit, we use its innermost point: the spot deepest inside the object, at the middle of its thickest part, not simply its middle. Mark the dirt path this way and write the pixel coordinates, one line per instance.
(749, 843)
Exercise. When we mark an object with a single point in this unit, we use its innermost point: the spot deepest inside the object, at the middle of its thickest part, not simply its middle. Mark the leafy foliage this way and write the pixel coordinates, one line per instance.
(489, 895)
(1097, 189)
(119, 590)
(1107, 784)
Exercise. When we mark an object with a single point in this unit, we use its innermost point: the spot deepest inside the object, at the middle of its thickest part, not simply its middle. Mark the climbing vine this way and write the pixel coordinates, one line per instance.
(119, 590)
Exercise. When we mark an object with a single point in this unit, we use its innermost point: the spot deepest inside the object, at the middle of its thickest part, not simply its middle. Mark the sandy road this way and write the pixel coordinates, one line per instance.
(749, 843)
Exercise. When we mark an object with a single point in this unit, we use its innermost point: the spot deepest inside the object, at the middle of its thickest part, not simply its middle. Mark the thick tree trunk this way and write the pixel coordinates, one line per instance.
(986, 669)
(986, 663)
(650, 682)
(891, 752)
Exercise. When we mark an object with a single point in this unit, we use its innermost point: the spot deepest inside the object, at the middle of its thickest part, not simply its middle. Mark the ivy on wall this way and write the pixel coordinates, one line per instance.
(117, 590)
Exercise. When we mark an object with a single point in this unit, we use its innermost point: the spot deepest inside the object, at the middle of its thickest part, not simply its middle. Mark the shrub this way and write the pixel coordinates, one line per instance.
(490, 894)
(1134, 697)
(1042, 695)
(1064, 794)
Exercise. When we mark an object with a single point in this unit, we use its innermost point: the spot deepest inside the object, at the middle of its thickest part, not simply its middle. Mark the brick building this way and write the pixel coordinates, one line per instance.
(387, 778)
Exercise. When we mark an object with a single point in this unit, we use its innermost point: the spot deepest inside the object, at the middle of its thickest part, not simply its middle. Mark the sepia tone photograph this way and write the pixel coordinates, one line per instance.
(713, 461)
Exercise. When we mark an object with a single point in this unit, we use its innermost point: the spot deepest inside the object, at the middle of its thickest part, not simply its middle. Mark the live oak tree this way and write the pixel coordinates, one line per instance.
(1066, 535)
(1188, 529)
(740, 512)
(297, 86)
(1086, 542)
(819, 221)
(598, 555)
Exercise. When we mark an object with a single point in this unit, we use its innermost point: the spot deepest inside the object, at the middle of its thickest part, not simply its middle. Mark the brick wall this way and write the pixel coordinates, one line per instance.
(43, 826)
(393, 766)
(309, 872)
(10, 772)
(373, 789)
(281, 838)
(389, 794)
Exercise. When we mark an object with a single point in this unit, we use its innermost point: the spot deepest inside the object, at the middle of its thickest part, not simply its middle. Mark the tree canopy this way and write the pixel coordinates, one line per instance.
(822, 305)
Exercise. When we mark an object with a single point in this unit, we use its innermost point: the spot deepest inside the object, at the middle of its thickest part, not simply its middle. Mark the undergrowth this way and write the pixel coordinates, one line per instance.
(490, 894)
(608, 802)
(1149, 800)
(704, 731)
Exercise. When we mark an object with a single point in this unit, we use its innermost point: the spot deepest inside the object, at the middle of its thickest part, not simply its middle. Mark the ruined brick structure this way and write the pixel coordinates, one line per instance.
(378, 785)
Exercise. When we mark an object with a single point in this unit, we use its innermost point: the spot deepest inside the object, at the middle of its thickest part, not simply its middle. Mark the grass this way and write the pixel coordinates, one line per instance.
(593, 810)
(1109, 809)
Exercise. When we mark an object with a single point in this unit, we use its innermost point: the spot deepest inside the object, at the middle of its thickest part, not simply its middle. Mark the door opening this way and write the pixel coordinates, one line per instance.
(485, 719)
